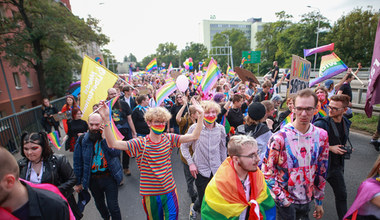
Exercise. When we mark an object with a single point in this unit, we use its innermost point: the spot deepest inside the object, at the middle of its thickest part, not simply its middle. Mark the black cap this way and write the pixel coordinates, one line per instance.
(256, 111)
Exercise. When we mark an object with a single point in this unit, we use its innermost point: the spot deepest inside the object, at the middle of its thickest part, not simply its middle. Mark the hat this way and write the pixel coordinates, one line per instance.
(83, 198)
(256, 111)
(328, 83)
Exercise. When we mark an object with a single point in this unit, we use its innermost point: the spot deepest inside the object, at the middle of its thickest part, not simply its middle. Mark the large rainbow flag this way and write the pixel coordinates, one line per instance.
(165, 91)
(331, 65)
(225, 197)
(54, 139)
(212, 75)
(151, 66)
(116, 133)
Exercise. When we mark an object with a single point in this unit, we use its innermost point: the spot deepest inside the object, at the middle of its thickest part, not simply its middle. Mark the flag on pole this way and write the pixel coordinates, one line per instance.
(95, 80)
(170, 68)
(242, 62)
(373, 91)
(212, 75)
(331, 65)
(54, 139)
(165, 91)
(130, 74)
(116, 133)
(151, 66)
(230, 72)
(308, 52)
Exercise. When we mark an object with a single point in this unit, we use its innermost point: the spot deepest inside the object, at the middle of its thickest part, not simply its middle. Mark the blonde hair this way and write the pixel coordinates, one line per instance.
(237, 141)
(269, 106)
(208, 105)
(157, 113)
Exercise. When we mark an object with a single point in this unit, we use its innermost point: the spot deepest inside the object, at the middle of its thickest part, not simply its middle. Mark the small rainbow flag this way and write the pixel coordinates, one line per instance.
(331, 65)
(170, 68)
(165, 91)
(116, 133)
(212, 75)
(230, 73)
(225, 124)
(288, 119)
(152, 65)
(54, 139)
(226, 190)
(242, 62)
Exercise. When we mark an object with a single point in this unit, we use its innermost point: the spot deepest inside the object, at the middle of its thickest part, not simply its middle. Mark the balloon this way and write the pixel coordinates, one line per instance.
(182, 83)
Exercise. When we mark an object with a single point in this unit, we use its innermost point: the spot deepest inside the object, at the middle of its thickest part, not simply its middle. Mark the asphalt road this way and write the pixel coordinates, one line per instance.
(356, 170)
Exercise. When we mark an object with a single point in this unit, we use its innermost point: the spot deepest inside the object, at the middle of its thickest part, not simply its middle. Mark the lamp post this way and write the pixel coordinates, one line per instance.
(316, 44)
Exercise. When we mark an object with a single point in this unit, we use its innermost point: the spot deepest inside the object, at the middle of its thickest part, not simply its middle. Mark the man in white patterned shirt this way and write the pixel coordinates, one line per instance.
(209, 152)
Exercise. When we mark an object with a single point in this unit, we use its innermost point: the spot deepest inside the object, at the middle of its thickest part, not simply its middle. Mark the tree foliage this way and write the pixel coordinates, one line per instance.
(44, 35)
(198, 52)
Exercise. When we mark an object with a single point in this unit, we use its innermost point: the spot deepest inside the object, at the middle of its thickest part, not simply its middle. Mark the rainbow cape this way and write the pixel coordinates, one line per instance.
(288, 119)
(116, 133)
(152, 65)
(331, 65)
(54, 139)
(308, 52)
(165, 91)
(225, 197)
(212, 75)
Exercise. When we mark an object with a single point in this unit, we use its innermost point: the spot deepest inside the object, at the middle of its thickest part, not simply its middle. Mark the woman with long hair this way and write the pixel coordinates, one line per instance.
(40, 165)
(76, 128)
(70, 103)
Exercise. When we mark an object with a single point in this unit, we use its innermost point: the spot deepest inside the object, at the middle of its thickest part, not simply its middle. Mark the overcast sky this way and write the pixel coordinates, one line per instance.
(138, 26)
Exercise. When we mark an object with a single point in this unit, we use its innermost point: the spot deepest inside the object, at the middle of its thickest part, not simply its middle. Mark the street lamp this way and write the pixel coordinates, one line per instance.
(316, 44)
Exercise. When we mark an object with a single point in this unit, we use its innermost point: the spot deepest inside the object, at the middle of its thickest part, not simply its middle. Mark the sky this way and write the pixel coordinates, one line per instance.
(139, 26)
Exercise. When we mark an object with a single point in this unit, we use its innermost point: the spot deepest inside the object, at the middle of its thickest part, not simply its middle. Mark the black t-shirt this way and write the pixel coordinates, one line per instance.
(23, 212)
(120, 111)
(274, 72)
(346, 89)
(336, 159)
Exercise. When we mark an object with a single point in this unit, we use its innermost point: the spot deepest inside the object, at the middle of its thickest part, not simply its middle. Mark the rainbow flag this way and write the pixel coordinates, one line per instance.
(287, 120)
(151, 66)
(322, 113)
(242, 62)
(230, 73)
(165, 91)
(308, 52)
(116, 133)
(331, 65)
(212, 75)
(225, 197)
(225, 124)
(54, 139)
(170, 68)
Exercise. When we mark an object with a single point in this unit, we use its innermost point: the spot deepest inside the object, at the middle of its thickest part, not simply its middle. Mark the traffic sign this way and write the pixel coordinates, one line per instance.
(252, 56)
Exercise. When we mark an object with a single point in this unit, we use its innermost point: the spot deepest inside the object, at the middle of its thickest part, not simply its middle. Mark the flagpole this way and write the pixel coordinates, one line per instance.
(96, 110)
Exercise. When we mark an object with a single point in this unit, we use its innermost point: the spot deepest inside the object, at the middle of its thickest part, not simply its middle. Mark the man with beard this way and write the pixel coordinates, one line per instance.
(241, 181)
(98, 168)
(296, 162)
(18, 199)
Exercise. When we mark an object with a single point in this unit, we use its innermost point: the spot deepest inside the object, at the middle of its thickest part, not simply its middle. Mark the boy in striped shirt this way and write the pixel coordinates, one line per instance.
(152, 154)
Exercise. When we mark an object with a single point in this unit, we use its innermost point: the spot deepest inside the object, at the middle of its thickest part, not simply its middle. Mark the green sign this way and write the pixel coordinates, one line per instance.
(252, 56)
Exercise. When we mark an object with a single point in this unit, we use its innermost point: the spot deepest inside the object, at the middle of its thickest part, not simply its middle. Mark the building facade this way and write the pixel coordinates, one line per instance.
(208, 29)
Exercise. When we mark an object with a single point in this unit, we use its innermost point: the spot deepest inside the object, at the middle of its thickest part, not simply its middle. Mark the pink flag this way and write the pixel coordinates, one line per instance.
(308, 52)
(373, 91)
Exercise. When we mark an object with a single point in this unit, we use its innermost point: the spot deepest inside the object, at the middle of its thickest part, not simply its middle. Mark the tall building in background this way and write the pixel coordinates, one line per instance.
(208, 29)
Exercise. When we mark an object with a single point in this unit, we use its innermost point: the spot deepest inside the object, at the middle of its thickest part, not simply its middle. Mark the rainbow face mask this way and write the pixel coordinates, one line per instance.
(158, 129)
(209, 120)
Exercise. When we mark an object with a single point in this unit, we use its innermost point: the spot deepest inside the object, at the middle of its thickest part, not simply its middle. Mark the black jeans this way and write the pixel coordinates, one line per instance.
(335, 178)
(190, 183)
(201, 183)
(105, 185)
(293, 212)
(125, 160)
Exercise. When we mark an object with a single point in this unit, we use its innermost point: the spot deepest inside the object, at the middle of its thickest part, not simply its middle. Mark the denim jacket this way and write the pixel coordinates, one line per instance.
(83, 156)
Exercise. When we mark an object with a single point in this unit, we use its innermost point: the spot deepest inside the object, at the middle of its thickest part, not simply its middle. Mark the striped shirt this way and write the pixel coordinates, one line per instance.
(156, 177)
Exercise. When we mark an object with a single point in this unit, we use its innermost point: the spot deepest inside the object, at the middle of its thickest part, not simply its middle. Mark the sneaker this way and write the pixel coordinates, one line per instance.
(376, 144)
(193, 214)
(127, 172)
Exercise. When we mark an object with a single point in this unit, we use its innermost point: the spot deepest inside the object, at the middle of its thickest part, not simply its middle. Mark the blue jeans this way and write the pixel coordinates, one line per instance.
(105, 185)
(293, 212)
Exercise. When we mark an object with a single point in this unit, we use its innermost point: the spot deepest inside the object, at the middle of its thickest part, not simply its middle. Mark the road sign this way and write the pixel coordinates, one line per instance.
(252, 56)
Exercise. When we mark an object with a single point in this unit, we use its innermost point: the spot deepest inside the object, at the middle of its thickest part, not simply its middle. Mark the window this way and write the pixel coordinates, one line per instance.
(29, 82)
(16, 78)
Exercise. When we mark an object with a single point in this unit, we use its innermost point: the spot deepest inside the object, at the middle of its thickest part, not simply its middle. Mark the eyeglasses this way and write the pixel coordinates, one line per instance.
(334, 108)
(252, 156)
(308, 110)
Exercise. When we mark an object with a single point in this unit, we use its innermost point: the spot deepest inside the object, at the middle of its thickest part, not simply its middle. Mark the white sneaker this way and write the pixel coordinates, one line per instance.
(193, 214)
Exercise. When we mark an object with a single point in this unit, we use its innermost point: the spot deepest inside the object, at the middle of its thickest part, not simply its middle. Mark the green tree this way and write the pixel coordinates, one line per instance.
(354, 35)
(145, 61)
(237, 40)
(109, 60)
(198, 52)
(42, 34)
(130, 58)
(166, 53)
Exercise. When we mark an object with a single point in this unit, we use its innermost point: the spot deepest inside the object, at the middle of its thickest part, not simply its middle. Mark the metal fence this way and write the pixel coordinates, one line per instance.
(11, 127)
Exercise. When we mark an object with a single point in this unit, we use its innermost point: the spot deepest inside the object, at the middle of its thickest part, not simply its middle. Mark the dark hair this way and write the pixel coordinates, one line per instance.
(39, 138)
(141, 98)
(345, 99)
(126, 88)
(237, 98)
(350, 75)
(307, 93)
(75, 111)
(267, 84)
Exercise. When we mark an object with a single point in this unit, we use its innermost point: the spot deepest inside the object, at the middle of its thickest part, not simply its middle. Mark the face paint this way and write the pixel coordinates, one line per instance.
(158, 129)
(321, 96)
(209, 120)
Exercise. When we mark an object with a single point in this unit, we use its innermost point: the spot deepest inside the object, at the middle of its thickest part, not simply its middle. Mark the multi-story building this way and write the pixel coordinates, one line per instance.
(208, 29)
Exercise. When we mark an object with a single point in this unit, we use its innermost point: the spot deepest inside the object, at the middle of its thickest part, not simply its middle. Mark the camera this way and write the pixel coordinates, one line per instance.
(348, 150)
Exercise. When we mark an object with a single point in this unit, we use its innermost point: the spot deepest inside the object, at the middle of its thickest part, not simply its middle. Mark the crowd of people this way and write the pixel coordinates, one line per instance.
(275, 164)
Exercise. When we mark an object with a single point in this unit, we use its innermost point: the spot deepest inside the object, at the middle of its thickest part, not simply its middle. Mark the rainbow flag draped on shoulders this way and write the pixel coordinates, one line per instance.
(151, 66)
(225, 197)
